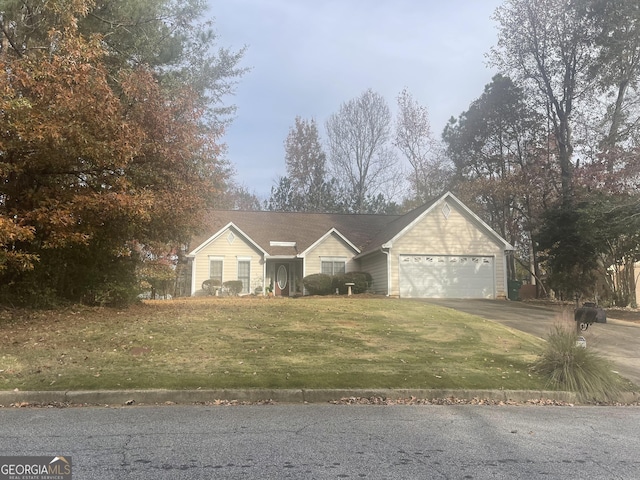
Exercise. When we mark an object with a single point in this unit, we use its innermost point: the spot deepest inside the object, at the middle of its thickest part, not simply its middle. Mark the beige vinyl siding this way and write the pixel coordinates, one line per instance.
(376, 265)
(331, 247)
(436, 234)
(229, 252)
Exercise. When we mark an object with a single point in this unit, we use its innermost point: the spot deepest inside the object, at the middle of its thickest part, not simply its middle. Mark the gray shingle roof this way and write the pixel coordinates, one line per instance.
(366, 232)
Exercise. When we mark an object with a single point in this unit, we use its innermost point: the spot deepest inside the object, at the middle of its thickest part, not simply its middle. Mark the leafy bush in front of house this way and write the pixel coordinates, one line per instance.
(361, 281)
(318, 284)
(322, 284)
(571, 367)
(233, 286)
(210, 286)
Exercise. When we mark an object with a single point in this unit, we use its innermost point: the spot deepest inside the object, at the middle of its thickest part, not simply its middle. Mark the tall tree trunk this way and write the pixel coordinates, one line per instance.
(609, 143)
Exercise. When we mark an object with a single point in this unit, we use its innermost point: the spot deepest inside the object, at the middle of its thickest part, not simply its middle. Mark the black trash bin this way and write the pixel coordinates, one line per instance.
(590, 313)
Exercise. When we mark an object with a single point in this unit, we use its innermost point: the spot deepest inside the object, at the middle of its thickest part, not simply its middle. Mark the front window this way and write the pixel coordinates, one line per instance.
(215, 270)
(333, 266)
(244, 274)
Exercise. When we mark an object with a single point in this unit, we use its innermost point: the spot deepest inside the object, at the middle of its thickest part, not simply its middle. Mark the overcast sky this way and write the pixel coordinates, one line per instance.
(307, 57)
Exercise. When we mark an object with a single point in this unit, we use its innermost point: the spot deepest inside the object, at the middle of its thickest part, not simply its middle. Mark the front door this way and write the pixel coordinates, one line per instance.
(282, 279)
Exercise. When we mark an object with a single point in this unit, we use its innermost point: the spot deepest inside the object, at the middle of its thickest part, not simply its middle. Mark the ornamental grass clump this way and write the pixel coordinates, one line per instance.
(572, 367)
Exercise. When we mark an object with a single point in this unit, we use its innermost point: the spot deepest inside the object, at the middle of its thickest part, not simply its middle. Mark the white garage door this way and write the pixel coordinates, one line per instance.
(447, 276)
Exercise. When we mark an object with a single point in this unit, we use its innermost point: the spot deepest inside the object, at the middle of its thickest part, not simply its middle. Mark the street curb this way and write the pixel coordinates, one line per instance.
(281, 396)
(315, 396)
(324, 396)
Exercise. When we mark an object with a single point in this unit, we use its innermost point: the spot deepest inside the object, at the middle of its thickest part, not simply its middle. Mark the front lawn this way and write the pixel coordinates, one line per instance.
(259, 342)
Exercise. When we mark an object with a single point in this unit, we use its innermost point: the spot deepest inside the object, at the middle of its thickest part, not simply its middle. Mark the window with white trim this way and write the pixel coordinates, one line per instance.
(244, 273)
(333, 266)
(215, 269)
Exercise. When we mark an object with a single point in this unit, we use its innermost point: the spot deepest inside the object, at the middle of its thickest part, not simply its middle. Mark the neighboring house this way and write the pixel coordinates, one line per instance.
(636, 280)
(623, 279)
(439, 250)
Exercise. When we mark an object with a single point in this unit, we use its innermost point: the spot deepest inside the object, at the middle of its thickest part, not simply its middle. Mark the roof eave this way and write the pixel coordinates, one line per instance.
(372, 251)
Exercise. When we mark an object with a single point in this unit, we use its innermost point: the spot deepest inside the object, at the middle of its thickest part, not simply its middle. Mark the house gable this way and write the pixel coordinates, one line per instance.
(230, 245)
(448, 231)
(330, 233)
(446, 206)
(453, 234)
(333, 246)
(228, 228)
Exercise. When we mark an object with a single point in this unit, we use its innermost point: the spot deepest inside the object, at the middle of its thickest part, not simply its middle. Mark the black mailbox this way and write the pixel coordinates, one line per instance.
(590, 313)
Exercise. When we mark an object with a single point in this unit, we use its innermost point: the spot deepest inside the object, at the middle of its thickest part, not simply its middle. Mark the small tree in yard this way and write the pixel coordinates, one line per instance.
(157, 277)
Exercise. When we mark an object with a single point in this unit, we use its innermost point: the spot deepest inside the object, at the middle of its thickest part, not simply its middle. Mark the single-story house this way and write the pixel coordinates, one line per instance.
(439, 250)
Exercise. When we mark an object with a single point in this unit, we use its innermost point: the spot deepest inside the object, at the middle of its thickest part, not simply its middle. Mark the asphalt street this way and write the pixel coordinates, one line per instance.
(331, 441)
(616, 340)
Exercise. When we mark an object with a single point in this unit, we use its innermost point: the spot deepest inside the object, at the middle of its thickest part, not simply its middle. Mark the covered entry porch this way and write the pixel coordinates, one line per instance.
(284, 276)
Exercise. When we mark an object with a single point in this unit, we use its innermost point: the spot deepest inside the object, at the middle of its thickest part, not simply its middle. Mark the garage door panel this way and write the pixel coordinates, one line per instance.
(452, 276)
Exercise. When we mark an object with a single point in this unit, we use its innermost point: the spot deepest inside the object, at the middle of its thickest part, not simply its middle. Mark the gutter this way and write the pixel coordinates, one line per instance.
(386, 252)
(193, 276)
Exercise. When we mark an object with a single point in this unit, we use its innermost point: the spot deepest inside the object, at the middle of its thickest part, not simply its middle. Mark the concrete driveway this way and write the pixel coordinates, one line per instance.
(617, 340)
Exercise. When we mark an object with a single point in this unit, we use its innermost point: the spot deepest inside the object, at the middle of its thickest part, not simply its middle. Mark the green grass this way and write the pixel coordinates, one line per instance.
(258, 342)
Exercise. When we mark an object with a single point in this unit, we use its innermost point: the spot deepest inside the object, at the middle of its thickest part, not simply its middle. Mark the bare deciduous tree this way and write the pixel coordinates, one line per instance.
(360, 154)
(413, 137)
